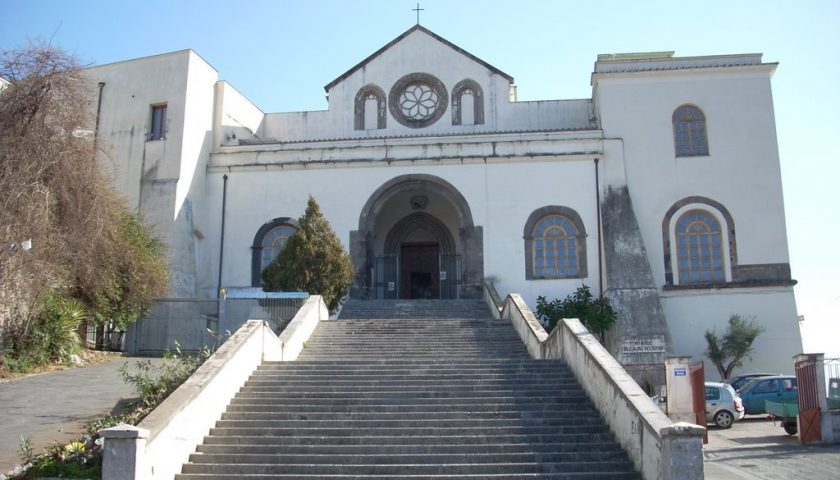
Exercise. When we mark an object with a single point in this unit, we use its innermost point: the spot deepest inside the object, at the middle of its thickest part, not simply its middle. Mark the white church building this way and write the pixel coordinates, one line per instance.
(663, 190)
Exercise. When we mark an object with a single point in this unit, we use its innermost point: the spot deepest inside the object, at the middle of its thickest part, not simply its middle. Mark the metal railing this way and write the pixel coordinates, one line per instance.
(192, 324)
(649, 376)
(832, 379)
(238, 305)
(189, 323)
(104, 337)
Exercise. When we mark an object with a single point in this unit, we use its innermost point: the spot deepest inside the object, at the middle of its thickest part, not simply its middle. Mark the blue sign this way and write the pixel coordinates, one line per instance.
(679, 372)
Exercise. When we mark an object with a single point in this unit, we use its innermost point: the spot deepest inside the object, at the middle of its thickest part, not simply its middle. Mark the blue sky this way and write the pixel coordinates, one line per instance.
(280, 54)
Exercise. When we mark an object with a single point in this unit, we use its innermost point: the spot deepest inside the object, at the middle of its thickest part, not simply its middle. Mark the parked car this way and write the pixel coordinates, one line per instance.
(739, 381)
(723, 405)
(778, 388)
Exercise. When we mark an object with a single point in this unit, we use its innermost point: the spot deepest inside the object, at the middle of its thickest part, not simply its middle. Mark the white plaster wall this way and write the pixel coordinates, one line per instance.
(691, 314)
(131, 88)
(237, 117)
(513, 191)
(198, 129)
(493, 191)
(162, 179)
(742, 171)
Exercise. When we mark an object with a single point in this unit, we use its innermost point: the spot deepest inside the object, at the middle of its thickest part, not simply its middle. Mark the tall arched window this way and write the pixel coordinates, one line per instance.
(369, 108)
(269, 240)
(690, 139)
(699, 248)
(273, 242)
(698, 241)
(555, 244)
(467, 103)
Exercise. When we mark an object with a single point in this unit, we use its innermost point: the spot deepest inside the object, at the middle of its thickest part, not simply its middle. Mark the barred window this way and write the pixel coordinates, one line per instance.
(690, 139)
(699, 248)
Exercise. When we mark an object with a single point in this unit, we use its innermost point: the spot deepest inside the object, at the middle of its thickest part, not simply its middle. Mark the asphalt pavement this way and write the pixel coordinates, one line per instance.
(757, 448)
(56, 406)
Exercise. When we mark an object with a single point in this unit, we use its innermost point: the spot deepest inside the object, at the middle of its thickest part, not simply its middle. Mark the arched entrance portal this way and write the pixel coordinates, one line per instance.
(416, 239)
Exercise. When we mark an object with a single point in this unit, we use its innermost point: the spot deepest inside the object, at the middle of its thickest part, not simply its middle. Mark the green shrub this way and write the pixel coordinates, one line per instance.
(313, 260)
(596, 314)
(16, 364)
(53, 335)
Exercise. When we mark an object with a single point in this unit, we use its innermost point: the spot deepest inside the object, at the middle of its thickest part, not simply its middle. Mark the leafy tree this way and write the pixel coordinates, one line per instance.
(85, 243)
(313, 260)
(728, 352)
(596, 314)
(136, 273)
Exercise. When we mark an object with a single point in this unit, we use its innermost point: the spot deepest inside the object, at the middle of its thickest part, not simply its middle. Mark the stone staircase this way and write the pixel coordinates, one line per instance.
(414, 309)
(438, 391)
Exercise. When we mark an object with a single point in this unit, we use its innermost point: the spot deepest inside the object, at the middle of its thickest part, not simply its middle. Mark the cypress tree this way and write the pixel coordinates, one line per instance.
(313, 260)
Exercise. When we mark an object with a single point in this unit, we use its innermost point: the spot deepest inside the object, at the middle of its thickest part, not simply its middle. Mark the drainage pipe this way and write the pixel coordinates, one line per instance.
(598, 214)
(222, 239)
(98, 112)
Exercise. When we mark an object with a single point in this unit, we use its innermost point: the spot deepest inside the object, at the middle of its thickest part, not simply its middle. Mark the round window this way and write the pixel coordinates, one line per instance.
(418, 100)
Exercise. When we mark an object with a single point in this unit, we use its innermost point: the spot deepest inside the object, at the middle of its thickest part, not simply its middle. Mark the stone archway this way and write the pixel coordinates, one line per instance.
(399, 207)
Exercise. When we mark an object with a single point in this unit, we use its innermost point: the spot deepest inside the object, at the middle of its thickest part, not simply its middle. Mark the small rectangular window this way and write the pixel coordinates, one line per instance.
(158, 128)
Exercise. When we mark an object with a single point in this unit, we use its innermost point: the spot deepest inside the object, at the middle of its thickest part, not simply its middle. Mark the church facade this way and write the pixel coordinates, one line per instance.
(662, 190)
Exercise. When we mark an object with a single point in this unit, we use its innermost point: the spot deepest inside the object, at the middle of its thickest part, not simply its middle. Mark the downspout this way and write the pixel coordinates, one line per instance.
(598, 213)
(98, 111)
(222, 239)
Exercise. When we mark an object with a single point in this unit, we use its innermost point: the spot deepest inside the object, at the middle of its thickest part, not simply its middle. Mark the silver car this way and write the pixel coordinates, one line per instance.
(723, 405)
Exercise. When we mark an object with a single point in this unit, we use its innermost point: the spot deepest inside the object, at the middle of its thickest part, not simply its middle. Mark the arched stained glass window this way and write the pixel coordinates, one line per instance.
(690, 139)
(555, 250)
(273, 242)
(269, 240)
(699, 248)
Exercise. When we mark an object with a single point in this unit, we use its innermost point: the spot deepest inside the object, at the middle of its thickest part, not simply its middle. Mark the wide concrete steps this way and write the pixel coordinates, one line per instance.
(414, 309)
(411, 398)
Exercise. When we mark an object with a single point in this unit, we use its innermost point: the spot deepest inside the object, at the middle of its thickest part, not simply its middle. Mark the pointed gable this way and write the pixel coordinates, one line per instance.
(392, 43)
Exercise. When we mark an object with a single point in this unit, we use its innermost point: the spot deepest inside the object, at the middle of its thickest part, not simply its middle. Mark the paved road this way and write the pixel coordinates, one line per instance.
(757, 449)
(56, 406)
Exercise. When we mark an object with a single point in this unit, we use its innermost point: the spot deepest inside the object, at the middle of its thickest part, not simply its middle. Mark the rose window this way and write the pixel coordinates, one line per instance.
(418, 102)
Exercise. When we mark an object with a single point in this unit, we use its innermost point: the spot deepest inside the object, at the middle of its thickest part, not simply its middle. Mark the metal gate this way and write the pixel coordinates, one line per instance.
(809, 406)
(451, 277)
(386, 277)
(698, 396)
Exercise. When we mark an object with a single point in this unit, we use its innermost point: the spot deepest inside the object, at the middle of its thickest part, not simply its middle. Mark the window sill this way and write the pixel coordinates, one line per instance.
(575, 277)
(728, 285)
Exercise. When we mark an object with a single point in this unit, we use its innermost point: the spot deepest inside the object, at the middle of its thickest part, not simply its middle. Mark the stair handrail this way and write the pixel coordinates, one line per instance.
(659, 448)
(492, 298)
